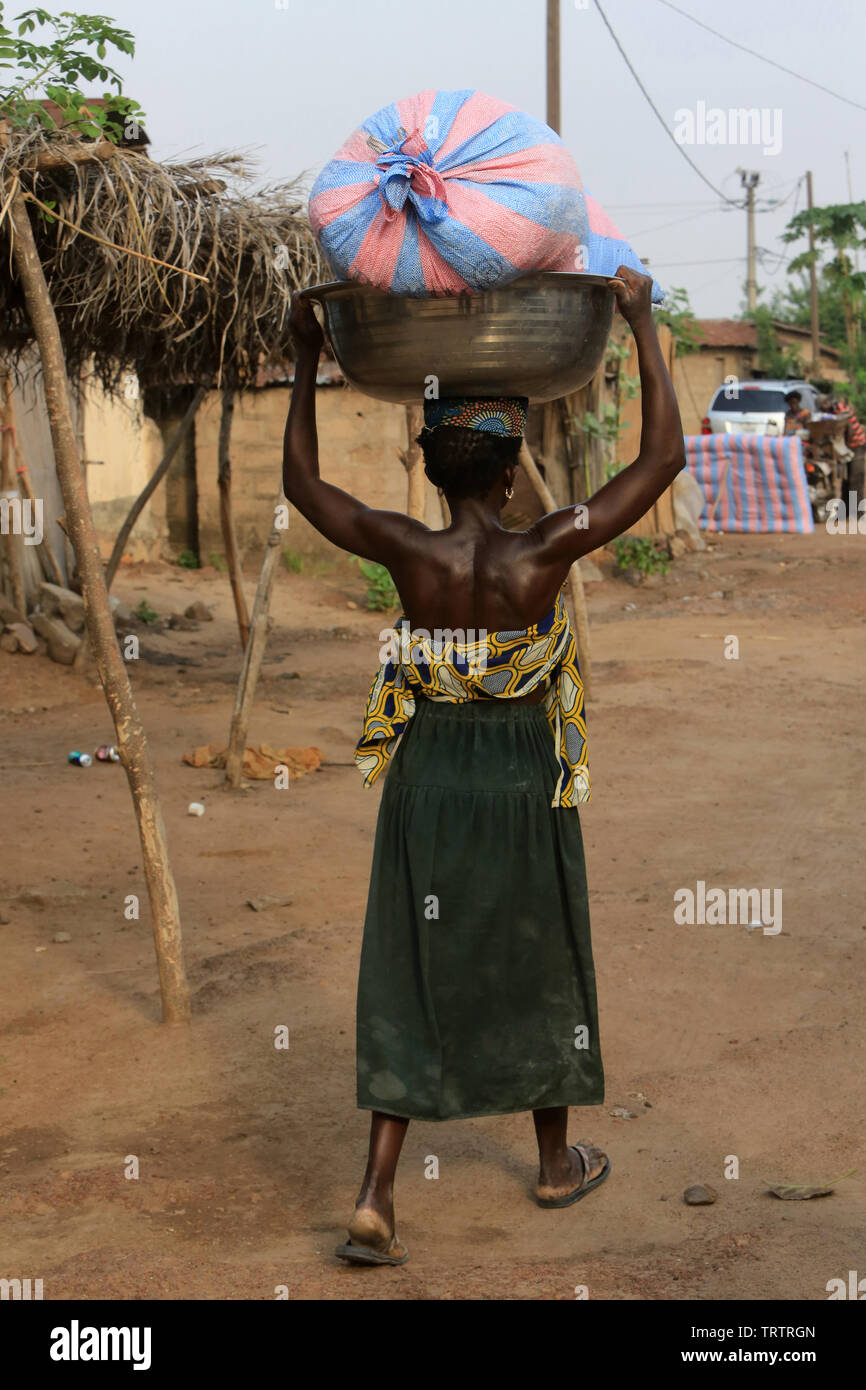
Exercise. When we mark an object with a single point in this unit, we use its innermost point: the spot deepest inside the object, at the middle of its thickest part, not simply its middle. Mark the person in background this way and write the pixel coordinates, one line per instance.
(855, 438)
(796, 418)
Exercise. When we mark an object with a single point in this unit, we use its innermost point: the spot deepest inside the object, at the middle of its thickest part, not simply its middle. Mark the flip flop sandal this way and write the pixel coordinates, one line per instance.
(369, 1255)
(583, 1187)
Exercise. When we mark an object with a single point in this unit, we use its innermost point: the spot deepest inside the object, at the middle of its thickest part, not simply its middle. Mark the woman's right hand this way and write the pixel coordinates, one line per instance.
(306, 330)
(633, 294)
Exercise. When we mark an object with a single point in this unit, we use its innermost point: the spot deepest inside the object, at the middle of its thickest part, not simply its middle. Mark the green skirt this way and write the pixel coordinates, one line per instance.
(476, 993)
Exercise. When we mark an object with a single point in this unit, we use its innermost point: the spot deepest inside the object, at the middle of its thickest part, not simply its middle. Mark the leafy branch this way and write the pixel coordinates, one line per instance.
(677, 315)
(73, 50)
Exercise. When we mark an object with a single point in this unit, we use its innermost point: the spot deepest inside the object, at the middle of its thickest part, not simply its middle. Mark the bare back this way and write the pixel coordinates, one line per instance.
(475, 576)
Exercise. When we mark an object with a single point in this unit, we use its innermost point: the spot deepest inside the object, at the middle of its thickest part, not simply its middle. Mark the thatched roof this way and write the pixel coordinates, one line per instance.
(251, 250)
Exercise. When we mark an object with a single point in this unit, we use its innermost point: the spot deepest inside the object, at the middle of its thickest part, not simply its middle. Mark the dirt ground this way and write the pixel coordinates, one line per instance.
(722, 1041)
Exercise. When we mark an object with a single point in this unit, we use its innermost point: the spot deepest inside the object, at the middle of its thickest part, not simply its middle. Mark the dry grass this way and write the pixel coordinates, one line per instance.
(122, 311)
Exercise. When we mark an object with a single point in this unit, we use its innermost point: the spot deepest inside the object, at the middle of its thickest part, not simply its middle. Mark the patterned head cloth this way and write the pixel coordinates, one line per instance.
(505, 415)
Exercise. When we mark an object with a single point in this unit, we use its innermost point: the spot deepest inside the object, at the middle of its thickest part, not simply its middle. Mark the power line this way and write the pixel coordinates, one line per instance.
(717, 260)
(659, 115)
(743, 49)
(708, 284)
(660, 227)
(685, 203)
(780, 202)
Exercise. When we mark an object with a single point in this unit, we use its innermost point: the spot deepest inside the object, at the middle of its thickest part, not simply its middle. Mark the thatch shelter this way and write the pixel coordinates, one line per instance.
(180, 272)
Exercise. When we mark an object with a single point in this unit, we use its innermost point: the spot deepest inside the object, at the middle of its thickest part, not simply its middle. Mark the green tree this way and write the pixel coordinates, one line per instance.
(64, 50)
(676, 313)
(840, 228)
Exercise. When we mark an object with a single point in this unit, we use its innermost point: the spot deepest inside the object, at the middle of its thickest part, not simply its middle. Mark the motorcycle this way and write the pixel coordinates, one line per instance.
(825, 459)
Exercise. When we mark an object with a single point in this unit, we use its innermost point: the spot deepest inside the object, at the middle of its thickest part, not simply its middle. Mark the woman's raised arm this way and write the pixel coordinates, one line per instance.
(565, 535)
(362, 530)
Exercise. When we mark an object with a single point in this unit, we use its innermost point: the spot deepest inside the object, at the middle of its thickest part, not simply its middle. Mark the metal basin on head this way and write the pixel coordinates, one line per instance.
(541, 336)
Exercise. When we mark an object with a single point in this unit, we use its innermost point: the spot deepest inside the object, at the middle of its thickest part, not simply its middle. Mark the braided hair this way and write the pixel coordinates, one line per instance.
(466, 462)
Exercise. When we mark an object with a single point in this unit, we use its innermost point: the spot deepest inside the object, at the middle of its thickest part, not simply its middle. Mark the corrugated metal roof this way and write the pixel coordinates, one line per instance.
(283, 374)
(740, 333)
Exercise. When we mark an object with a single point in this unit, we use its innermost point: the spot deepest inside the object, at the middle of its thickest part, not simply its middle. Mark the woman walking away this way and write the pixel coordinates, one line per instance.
(476, 993)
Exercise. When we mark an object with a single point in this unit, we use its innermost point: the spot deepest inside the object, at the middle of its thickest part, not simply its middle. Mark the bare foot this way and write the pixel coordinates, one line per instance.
(567, 1172)
(372, 1223)
(371, 1229)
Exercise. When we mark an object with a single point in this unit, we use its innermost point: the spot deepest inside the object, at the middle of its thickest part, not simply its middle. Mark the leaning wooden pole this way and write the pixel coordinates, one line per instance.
(575, 583)
(227, 521)
(130, 736)
(253, 655)
(413, 462)
(151, 485)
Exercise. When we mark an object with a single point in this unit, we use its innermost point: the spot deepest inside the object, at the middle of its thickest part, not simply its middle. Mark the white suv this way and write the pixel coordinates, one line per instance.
(755, 407)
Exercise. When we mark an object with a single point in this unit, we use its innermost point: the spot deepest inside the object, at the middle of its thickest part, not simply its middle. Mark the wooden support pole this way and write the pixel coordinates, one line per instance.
(227, 521)
(75, 151)
(14, 536)
(72, 154)
(50, 567)
(253, 655)
(47, 558)
(150, 487)
(413, 462)
(129, 732)
(575, 583)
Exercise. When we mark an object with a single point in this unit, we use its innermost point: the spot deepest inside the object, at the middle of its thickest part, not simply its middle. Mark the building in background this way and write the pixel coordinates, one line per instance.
(729, 348)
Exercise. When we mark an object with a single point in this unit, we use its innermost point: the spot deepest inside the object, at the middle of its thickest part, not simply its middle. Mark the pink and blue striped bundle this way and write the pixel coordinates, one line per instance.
(447, 192)
(761, 479)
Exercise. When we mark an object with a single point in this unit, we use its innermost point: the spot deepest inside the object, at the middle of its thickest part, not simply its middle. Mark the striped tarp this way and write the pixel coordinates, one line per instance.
(761, 479)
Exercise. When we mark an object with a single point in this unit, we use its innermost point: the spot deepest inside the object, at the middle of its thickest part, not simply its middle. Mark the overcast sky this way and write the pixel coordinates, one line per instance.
(289, 79)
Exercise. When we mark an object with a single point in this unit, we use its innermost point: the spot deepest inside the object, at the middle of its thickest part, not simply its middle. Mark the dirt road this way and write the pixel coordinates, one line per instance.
(726, 1043)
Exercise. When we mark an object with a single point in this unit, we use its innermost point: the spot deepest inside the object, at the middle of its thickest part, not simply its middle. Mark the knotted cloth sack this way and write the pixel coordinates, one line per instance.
(452, 191)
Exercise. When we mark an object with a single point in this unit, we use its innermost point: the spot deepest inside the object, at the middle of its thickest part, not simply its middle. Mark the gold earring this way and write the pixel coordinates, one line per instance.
(509, 493)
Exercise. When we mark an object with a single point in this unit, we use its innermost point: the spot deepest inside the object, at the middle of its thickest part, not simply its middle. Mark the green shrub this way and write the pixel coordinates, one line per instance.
(146, 613)
(188, 560)
(640, 553)
(381, 592)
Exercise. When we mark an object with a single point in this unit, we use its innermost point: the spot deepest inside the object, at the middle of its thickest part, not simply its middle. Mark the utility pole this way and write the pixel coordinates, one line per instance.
(850, 200)
(813, 276)
(750, 182)
(553, 104)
